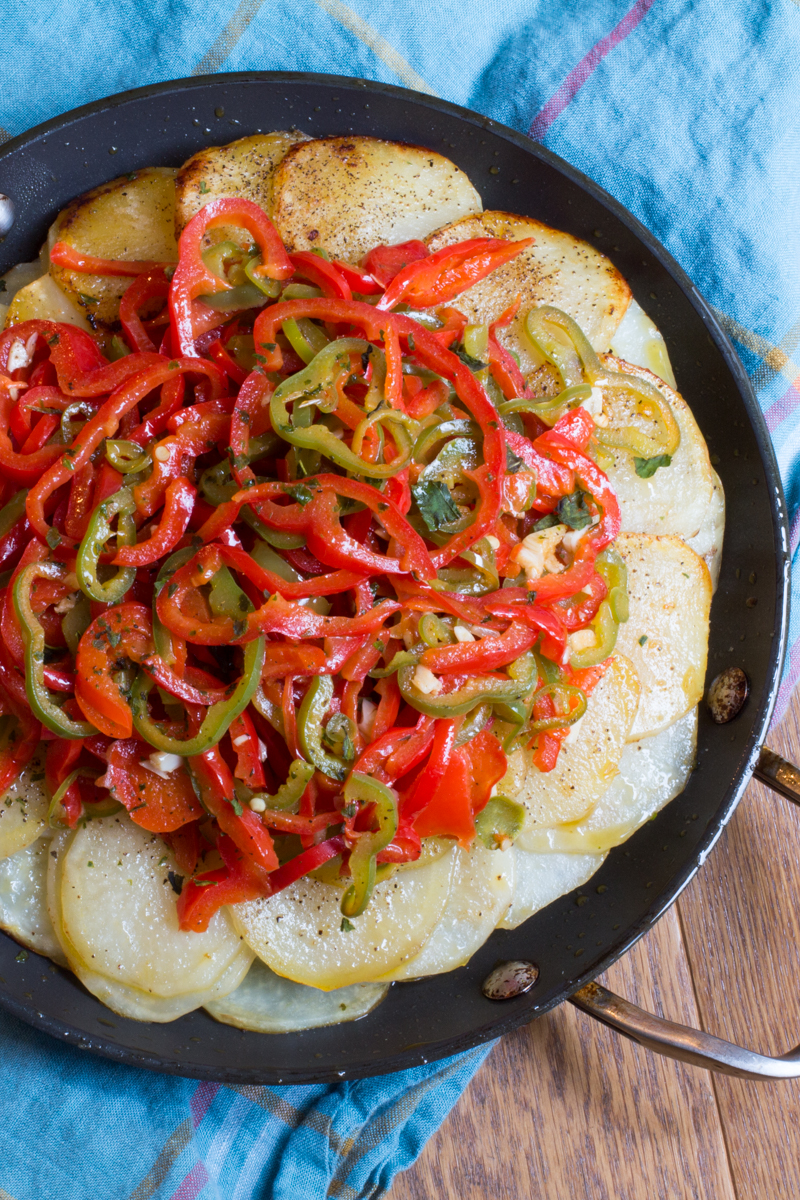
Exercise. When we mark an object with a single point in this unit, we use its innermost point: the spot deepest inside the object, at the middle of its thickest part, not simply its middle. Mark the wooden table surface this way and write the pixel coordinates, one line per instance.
(565, 1109)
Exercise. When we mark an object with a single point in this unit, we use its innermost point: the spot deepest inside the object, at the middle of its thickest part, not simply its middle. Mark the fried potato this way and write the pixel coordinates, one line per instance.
(117, 911)
(588, 760)
(23, 809)
(652, 772)
(557, 269)
(43, 300)
(666, 635)
(676, 499)
(243, 168)
(132, 218)
(298, 932)
(266, 1003)
(481, 891)
(707, 542)
(348, 194)
(23, 900)
(542, 878)
(638, 340)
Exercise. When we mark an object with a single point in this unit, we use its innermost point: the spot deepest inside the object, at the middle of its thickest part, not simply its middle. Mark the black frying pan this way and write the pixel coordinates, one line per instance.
(569, 942)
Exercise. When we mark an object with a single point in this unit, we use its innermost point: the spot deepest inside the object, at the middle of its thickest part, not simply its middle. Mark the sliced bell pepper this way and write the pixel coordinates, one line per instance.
(384, 262)
(442, 276)
(64, 255)
(121, 635)
(161, 803)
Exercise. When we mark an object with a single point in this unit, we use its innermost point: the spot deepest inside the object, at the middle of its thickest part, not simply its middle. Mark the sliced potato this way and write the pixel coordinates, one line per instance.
(298, 932)
(666, 636)
(677, 498)
(542, 878)
(23, 809)
(118, 913)
(707, 542)
(481, 891)
(588, 760)
(242, 168)
(652, 772)
(557, 269)
(43, 300)
(638, 340)
(144, 1006)
(266, 1003)
(14, 280)
(348, 194)
(23, 900)
(132, 218)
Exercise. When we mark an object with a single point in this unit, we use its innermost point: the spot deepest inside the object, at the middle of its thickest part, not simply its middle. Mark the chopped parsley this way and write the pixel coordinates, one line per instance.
(647, 467)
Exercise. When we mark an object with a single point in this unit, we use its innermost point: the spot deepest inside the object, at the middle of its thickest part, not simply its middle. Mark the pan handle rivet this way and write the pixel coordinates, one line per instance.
(510, 979)
(727, 695)
(6, 214)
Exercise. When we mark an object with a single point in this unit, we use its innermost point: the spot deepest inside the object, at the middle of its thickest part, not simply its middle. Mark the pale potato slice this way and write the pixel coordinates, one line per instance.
(639, 341)
(17, 278)
(144, 1006)
(23, 809)
(132, 218)
(298, 932)
(557, 269)
(707, 542)
(267, 1003)
(242, 168)
(348, 194)
(588, 760)
(118, 913)
(652, 772)
(43, 300)
(542, 878)
(666, 635)
(676, 499)
(23, 900)
(481, 891)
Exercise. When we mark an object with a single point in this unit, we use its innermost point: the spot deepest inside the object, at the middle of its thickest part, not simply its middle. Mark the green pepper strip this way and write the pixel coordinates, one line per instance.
(605, 631)
(289, 794)
(126, 457)
(434, 631)
(445, 429)
(549, 408)
(500, 822)
(611, 566)
(362, 790)
(105, 808)
(559, 721)
(315, 386)
(316, 703)
(162, 638)
(11, 512)
(97, 535)
(217, 719)
(305, 338)
(476, 690)
(43, 706)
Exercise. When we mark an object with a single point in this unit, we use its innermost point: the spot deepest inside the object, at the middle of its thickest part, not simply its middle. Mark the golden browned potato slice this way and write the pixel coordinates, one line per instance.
(242, 168)
(588, 760)
(299, 934)
(132, 218)
(676, 499)
(23, 810)
(348, 194)
(666, 635)
(557, 269)
(43, 300)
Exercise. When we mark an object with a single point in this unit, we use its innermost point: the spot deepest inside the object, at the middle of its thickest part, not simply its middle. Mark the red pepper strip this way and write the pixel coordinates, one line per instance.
(464, 790)
(502, 364)
(60, 761)
(445, 274)
(195, 686)
(326, 275)
(64, 255)
(359, 664)
(58, 679)
(193, 438)
(284, 822)
(388, 708)
(23, 743)
(155, 422)
(358, 281)
(192, 277)
(328, 541)
(28, 407)
(124, 631)
(104, 424)
(218, 795)
(244, 741)
(41, 432)
(444, 740)
(338, 651)
(485, 655)
(150, 286)
(393, 389)
(185, 844)
(577, 426)
(73, 353)
(576, 612)
(178, 506)
(297, 661)
(593, 480)
(542, 620)
(291, 518)
(384, 262)
(157, 804)
(202, 895)
(21, 468)
(416, 557)
(18, 536)
(10, 632)
(551, 478)
(209, 558)
(227, 364)
(79, 506)
(251, 402)
(399, 492)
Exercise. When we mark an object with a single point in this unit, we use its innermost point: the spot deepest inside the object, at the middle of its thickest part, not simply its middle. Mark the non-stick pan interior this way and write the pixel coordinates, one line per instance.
(578, 936)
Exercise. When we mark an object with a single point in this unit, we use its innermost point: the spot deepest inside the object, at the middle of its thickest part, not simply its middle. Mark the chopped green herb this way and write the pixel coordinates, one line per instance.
(513, 462)
(643, 639)
(173, 366)
(572, 510)
(411, 343)
(474, 364)
(546, 522)
(647, 467)
(436, 505)
(54, 340)
(53, 538)
(22, 956)
(204, 188)
(87, 299)
(176, 882)
(346, 926)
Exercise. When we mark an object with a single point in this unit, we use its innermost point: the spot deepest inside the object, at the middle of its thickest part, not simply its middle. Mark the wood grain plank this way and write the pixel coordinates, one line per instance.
(741, 918)
(564, 1108)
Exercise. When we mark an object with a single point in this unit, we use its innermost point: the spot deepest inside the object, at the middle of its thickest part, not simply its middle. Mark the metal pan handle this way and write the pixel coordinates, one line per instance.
(679, 1041)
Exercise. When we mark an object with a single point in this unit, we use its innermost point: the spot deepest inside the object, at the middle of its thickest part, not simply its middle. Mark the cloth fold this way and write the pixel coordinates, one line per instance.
(687, 111)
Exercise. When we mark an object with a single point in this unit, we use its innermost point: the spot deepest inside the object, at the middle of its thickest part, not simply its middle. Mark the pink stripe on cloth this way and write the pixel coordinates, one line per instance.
(202, 1100)
(193, 1184)
(589, 63)
(783, 407)
(789, 682)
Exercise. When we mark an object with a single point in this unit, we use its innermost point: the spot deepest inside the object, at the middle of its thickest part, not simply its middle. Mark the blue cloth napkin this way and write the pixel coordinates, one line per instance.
(687, 111)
